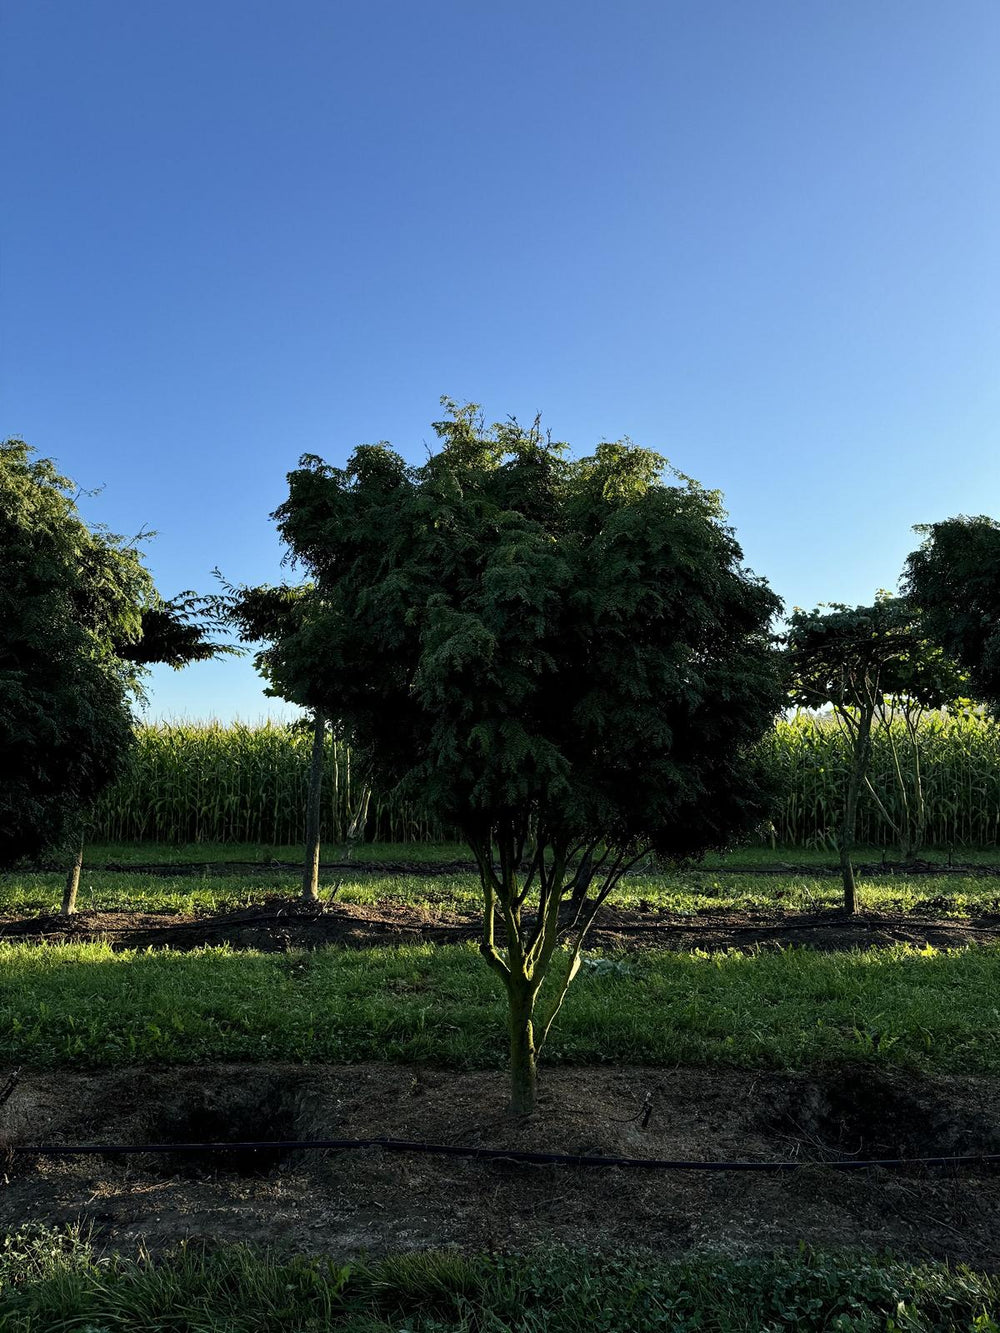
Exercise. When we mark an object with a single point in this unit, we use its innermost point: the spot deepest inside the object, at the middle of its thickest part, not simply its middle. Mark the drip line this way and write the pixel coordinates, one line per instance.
(495, 1154)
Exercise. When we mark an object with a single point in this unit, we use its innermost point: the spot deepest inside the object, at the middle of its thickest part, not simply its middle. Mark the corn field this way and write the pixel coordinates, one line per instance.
(214, 783)
(938, 787)
(211, 783)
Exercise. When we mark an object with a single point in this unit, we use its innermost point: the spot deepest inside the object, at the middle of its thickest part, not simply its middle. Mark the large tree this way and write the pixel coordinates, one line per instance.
(954, 576)
(80, 618)
(565, 659)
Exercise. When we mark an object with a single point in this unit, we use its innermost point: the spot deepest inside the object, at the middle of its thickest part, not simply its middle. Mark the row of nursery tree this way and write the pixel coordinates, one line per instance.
(933, 781)
(565, 659)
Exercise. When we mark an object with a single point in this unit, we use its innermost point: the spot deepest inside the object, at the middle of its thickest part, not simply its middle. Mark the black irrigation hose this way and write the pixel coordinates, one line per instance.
(491, 1155)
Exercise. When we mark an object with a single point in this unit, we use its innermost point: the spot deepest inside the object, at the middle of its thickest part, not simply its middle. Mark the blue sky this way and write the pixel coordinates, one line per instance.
(760, 238)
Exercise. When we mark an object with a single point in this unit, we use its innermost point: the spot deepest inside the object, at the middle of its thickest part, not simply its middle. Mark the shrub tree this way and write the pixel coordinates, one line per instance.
(565, 659)
(80, 618)
(954, 576)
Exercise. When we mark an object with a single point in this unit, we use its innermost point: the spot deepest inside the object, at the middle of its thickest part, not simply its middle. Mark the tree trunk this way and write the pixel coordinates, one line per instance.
(356, 828)
(859, 767)
(846, 868)
(582, 881)
(72, 884)
(523, 1076)
(310, 875)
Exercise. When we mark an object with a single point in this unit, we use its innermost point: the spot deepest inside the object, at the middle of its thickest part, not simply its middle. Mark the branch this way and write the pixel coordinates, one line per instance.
(575, 958)
(487, 946)
(546, 932)
(571, 971)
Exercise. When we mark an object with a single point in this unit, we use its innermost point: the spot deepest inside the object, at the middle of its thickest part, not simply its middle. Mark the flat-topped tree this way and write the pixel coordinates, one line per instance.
(80, 618)
(954, 577)
(859, 661)
(563, 658)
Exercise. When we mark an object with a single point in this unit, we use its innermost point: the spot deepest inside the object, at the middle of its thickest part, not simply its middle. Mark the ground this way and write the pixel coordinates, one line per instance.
(374, 1201)
(280, 923)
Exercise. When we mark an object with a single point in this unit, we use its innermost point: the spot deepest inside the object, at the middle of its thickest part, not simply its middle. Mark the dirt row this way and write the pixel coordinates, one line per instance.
(280, 924)
(371, 1201)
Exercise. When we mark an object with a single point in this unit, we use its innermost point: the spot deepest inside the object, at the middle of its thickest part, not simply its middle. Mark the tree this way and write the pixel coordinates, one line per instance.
(954, 577)
(283, 618)
(79, 620)
(564, 659)
(171, 634)
(867, 663)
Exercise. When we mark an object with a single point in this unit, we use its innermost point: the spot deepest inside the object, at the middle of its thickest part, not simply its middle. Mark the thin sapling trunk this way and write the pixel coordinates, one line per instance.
(861, 751)
(72, 885)
(356, 828)
(310, 873)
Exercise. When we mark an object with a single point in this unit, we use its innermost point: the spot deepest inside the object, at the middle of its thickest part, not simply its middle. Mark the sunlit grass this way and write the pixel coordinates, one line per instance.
(688, 893)
(260, 854)
(827, 857)
(208, 853)
(85, 1004)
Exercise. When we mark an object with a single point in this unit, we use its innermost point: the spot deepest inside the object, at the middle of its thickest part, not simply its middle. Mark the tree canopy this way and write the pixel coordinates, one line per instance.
(79, 618)
(853, 656)
(560, 657)
(954, 576)
(504, 629)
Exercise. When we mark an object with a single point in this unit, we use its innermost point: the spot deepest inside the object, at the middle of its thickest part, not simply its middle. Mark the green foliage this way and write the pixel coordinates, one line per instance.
(174, 633)
(51, 1282)
(954, 576)
(88, 1005)
(853, 657)
(521, 637)
(553, 654)
(283, 619)
(70, 599)
(79, 619)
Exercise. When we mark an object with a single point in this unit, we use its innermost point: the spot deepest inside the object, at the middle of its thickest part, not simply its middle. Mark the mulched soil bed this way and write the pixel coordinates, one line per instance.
(280, 923)
(371, 1201)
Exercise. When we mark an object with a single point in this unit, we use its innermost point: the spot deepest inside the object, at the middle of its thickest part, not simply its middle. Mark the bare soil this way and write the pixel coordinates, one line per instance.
(283, 923)
(372, 1201)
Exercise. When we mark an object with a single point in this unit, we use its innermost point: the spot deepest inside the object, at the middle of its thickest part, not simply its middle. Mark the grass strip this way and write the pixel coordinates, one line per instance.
(87, 1005)
(684, 894)
(202, 853)
(53, 1283)
(208, 853)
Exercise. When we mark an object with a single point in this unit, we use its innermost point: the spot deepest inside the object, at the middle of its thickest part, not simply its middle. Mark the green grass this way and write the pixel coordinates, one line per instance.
(86, 1005)
(52, 1283)
(686, 893)
(827, 856)
(208, 853)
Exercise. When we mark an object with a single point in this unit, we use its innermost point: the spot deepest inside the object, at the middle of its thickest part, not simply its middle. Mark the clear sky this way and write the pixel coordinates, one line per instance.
(761, 238)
